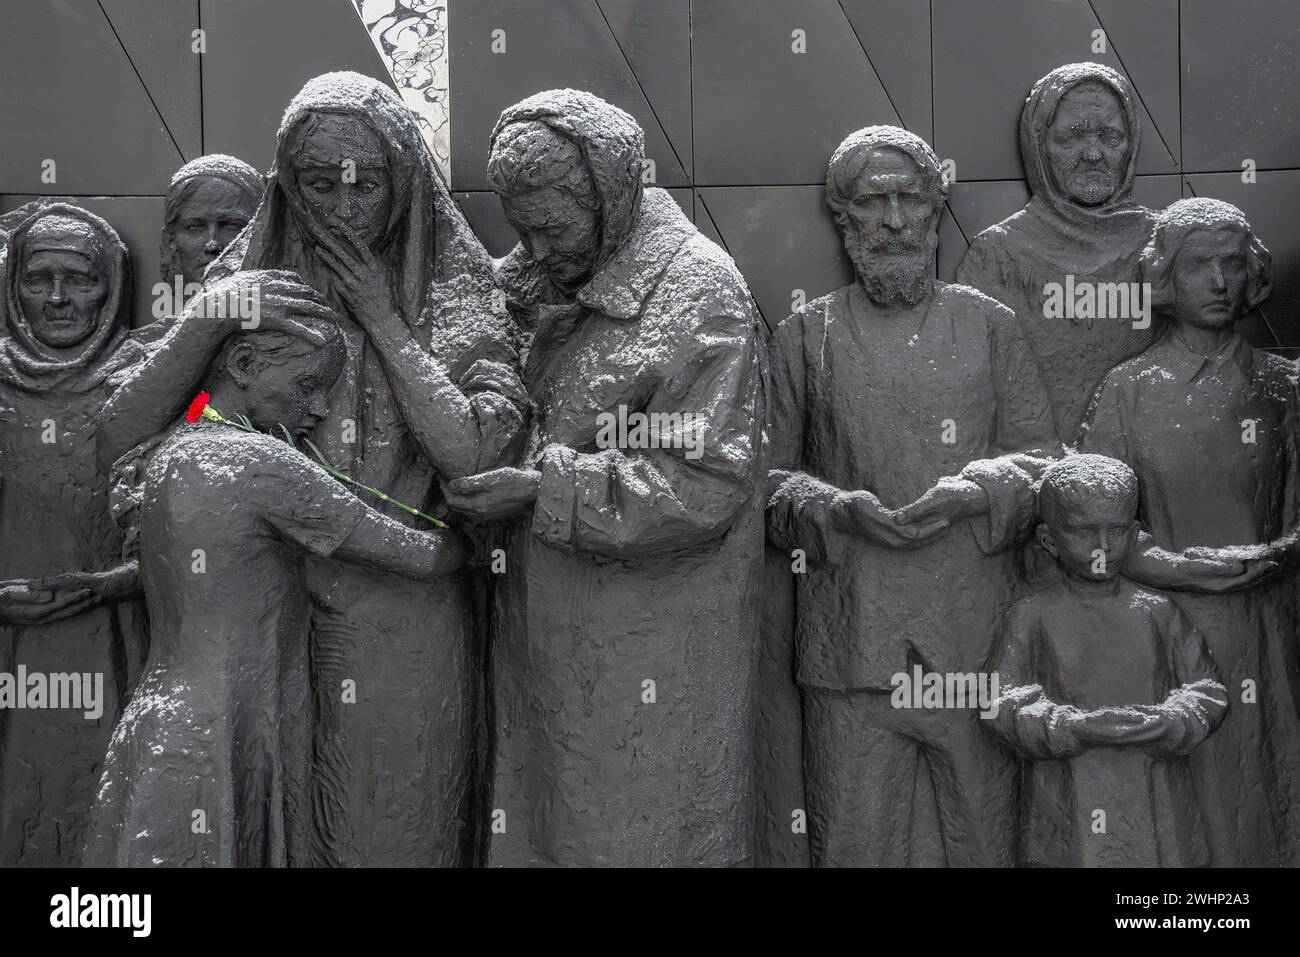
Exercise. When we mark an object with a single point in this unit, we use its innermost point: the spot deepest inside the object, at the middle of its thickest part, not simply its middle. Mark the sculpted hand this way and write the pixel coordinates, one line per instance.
(486, 375)
(23, 603)
(361, 278)
(799, 514)
(500, 493)
(865, 515)
(281, 297)
(951, 499)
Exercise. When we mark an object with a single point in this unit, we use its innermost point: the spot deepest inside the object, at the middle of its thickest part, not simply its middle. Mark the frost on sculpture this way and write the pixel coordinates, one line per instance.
(899, 404)
(1106, 688)
(1209, 425)
(209, 764)
(209, 200)
(1079, 137)
(65, 603)
(627, 619)
(355, 208)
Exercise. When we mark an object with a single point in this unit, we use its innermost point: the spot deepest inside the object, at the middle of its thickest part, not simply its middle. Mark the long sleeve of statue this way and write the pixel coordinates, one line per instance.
(1027, 719)
(1198, 704)
(701, 408)
(1024, 433)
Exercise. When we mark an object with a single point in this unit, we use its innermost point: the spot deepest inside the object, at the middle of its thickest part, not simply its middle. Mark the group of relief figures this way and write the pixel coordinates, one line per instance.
(907, 475)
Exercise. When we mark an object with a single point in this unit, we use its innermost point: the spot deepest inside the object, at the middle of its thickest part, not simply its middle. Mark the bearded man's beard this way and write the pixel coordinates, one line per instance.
(894, 272)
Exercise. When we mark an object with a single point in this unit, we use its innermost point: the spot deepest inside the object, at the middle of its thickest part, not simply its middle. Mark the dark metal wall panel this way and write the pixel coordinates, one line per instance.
(560, 43)
(260, 53)
(71, 95)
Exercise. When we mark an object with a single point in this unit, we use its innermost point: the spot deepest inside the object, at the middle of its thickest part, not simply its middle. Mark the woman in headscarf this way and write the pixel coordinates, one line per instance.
(626, 636)
(1079, 137)
(65, 596)
(209, 200)
(355, 206)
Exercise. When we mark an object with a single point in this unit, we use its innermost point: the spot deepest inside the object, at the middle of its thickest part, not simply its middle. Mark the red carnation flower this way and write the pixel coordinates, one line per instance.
(197, 407)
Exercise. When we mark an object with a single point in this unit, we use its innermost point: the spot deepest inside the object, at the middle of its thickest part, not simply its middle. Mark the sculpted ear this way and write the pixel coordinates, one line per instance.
(241, 364)
(1259, 267)
(1047, 541)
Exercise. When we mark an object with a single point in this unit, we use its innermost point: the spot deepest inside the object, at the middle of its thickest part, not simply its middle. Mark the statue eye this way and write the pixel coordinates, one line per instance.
(321, 185)
(1112, 137)
(369, 186)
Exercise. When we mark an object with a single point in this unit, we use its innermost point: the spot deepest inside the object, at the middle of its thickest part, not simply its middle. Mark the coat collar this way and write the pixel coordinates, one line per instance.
(621, 286)
(1193, 363)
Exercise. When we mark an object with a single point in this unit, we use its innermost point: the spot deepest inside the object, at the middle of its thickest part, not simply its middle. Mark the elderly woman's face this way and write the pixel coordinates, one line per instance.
(1088, 144)
(61, 292)
(206, 221)
(559, 231)
(343, 175)
(1210, 278)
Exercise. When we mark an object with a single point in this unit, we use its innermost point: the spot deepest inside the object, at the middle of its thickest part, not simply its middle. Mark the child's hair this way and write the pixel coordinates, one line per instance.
(1201, 214)
(1085, 476)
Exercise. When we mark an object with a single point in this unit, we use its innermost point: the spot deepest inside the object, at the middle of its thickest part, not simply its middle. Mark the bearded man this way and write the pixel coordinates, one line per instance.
(901, 411)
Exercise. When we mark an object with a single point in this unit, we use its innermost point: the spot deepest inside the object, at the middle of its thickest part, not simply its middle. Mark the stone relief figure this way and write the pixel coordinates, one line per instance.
(627, 614)
(1105, 688)
(208, 765)
(428, 390)
(1079, 137)
(209, 201)
(1209, 425)
(908, 425)
(65, 595)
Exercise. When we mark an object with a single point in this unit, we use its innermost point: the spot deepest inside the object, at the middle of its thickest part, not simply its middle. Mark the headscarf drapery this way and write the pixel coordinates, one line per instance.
(228, 169)
(27, 362)
(1084, 239)
(612, 145)
(426, 237)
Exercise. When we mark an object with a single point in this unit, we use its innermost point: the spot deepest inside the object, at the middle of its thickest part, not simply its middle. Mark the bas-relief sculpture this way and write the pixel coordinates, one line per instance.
(625, 624)
(209, 201)
(1209, 425)
(908, 424)
(66, 599)
(1106, 688)
(428, 390)
(219, 723)
(585, 695)
(1079, 139)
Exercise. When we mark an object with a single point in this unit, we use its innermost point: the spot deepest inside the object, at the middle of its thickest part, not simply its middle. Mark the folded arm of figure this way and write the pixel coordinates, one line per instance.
(646, 501)
(304, 505)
